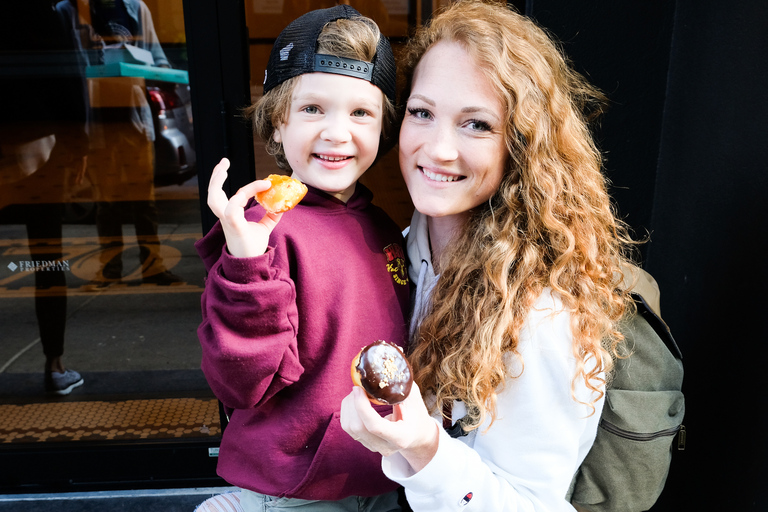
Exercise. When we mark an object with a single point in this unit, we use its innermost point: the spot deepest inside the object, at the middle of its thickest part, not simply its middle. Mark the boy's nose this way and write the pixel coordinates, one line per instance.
(337, 131)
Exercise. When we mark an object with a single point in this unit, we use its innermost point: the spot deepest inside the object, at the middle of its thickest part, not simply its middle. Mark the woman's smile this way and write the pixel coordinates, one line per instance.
(437, 176)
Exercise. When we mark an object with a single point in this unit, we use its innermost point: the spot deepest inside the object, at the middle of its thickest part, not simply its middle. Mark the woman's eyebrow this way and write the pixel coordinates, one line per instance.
(422, 98)
(470, 110)
(464, 110)
(492, 114)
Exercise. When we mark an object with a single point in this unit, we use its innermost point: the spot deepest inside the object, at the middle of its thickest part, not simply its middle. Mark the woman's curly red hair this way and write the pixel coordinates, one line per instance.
(551, 224)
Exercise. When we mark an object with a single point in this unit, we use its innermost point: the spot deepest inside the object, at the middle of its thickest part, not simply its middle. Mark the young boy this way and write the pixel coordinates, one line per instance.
(291, 298)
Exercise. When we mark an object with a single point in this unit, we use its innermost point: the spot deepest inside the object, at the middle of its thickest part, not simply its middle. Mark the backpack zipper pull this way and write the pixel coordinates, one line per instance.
(681, 438)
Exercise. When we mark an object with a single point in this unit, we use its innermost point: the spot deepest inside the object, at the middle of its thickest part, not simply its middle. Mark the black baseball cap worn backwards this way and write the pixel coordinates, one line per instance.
(294, 54)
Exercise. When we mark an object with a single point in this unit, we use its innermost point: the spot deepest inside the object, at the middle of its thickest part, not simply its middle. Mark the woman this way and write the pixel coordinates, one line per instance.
(516, 254)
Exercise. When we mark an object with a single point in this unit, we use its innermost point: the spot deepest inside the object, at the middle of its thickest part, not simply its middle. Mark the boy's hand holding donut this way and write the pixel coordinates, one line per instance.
(244, 238)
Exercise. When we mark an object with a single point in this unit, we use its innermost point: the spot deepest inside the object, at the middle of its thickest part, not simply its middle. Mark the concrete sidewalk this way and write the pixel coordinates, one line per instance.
(145, 500)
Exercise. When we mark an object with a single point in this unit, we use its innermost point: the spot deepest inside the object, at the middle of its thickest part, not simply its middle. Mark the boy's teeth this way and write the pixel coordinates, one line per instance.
(439, 177)
(332, 158)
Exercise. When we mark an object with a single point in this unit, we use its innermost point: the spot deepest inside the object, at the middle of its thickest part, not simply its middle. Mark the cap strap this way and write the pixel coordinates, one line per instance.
(342, 66)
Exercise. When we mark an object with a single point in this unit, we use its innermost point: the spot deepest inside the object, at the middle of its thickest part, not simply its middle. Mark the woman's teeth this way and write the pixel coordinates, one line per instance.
(439, 177)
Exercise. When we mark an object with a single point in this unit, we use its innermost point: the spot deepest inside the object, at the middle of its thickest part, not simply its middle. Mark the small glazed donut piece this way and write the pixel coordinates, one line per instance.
(284, 194)
(382, 370)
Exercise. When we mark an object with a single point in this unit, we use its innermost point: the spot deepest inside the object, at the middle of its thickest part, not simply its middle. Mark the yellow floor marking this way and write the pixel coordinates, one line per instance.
(113, 420)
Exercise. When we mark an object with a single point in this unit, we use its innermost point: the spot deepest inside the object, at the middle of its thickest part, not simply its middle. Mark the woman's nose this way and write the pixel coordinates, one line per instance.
(441, 144)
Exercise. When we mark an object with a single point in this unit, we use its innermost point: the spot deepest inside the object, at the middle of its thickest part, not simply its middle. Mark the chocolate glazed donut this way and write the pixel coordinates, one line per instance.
(382, 370)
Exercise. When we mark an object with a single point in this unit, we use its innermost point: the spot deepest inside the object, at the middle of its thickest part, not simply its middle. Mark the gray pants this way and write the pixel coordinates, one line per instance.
(255, 502)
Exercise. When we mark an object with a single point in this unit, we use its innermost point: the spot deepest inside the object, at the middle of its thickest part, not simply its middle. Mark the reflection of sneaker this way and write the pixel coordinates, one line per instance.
(113, 270)
(164, 278)
(96, 285)
(62, 383)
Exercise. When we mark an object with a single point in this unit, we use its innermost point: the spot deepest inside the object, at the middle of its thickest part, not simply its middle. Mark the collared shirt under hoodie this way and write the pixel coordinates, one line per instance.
(278, 335)
(524, 461)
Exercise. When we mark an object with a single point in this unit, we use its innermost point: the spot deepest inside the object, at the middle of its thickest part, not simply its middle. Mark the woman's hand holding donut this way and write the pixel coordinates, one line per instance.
(244, 238)
(409, 429)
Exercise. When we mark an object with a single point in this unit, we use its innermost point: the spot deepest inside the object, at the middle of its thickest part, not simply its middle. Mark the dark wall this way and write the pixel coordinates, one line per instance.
(622, 48)
(711, 240)
(686, 150)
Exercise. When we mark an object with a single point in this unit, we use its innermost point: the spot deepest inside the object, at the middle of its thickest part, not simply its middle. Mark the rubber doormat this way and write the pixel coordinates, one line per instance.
(169, 418)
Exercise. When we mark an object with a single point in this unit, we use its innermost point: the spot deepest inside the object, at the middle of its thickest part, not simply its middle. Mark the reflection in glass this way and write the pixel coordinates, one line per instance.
(44, 148)
(122, 159)
(99, 211)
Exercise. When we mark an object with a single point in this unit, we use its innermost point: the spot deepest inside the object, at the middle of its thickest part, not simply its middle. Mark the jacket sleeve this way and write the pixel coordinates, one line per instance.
(149, 39)
(249, 326)
(526, 459)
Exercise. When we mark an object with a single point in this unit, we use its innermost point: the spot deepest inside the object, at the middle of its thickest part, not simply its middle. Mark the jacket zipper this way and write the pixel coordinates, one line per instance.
(634, 436)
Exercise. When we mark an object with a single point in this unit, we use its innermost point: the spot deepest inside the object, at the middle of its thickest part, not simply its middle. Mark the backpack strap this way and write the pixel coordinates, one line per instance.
(658, 325)
(640, 282)
(645, 291)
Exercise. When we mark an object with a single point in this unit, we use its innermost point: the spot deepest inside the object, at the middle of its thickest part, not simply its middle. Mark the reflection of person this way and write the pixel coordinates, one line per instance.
(291, 298)
(122, 162)
(516, 254)
(127, 21)
(43, 147)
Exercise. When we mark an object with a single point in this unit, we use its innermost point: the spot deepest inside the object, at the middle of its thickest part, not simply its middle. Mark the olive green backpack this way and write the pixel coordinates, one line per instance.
(641, 423)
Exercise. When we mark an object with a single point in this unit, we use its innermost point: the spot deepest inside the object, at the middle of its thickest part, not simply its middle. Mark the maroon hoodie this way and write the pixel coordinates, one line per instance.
(279, 333)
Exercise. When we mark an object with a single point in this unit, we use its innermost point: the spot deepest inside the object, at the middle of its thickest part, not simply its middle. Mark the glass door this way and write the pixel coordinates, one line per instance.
(99, 280)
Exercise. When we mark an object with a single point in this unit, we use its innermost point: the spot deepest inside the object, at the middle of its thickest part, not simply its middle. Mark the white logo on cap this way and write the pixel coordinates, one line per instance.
(285, 51)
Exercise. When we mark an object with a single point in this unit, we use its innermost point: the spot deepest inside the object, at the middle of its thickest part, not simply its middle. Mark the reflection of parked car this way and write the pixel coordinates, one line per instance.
(174, 147)
(175, 160)
(168, 95)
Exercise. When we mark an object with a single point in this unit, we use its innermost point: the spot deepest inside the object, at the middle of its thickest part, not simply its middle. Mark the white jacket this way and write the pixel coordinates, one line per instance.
(526, 460)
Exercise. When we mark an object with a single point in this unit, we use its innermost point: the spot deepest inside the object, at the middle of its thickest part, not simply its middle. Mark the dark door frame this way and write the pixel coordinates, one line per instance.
(219, 76)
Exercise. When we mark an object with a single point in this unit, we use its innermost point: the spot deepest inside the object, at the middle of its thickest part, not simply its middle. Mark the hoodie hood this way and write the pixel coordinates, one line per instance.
(420, 269)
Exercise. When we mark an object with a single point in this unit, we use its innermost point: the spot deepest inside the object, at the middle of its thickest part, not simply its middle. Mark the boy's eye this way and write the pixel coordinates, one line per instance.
(360, 113)
(311, 109)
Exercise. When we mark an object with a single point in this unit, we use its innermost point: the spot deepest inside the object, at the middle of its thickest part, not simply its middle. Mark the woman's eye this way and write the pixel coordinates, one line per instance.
(419, 113)
(480, 126)
(311, 109)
